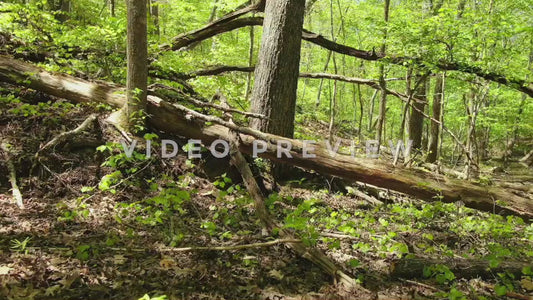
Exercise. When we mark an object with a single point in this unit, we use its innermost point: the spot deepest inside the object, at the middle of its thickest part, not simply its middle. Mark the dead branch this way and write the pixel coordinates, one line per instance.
(17, 195)
(226, 26)
(230, 248)
(200, 103)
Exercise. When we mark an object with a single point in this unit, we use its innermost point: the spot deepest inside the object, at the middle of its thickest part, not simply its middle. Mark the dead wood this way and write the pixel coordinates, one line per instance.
(179, 120)
(462, 268)
(216, 28)
(12, 176)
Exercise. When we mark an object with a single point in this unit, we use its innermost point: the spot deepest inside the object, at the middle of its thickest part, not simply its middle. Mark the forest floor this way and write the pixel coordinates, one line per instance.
(87, 234)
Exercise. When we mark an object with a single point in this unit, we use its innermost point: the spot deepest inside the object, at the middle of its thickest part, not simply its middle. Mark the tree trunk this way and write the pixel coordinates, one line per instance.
(416, 119)
(382, 83)
(514, 135)
(250, 63)
(319, 93)
(438, 98)
(276, 74)
(137, 55)
(112, 7)
(175, 119)
(154, 14)
(371, 111)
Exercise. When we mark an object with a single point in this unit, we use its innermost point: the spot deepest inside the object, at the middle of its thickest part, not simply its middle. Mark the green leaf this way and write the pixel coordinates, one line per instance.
(500, 290)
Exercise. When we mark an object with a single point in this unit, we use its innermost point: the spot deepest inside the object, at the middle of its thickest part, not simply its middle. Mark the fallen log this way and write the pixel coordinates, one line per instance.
(461, 267)
(179, 120)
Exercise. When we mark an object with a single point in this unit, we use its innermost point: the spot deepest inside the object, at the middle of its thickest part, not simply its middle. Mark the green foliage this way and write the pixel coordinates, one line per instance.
(441, 273)
(20, 246)
(83, 252)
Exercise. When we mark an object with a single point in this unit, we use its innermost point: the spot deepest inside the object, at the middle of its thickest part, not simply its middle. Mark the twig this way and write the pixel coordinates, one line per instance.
(422, 285)
(232, 247)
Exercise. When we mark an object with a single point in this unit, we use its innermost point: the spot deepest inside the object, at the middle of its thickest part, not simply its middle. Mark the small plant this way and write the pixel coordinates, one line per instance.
(442, 274)
(83, 252)
(20, 246)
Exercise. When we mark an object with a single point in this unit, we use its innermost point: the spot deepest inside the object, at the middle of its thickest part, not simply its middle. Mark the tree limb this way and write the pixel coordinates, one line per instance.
(226, 26)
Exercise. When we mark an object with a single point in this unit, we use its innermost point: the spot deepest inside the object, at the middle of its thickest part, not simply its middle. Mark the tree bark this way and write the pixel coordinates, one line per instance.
(416, 119)
(176, 119)
(382, 83)
(438, 98)
(276, 74)
(154, 14)
(137, 55)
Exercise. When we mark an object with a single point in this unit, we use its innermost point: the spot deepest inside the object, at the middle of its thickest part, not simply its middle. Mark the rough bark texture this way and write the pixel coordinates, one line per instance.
(276, 74)
(433, 147)
(416, 118)
(137, 55)
(178, 120)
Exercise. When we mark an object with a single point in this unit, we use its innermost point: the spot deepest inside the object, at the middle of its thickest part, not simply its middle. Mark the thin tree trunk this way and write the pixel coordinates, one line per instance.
(361, 112)
(319, 93)
(383, 100)
(416, 119)
(112, 7)
(514, 135)
(133, 112)
(433, 149)
(250, 63)
(154, 14)
(371, 111)
(333, 98)
(409, 93)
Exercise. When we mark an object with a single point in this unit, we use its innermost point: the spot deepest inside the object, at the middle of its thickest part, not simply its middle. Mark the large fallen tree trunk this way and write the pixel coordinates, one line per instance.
(179, 120)
(461, 267)
(230, 24)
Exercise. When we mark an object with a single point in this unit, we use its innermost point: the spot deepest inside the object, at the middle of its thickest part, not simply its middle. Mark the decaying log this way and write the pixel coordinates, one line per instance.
(179, 120)
(462, 268)
(17, 195)
(216, 28)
